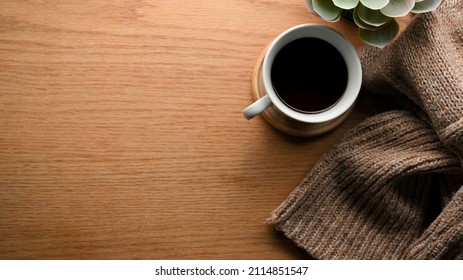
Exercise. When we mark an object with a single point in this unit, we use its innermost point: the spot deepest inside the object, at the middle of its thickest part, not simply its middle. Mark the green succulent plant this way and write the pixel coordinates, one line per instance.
(374, 18)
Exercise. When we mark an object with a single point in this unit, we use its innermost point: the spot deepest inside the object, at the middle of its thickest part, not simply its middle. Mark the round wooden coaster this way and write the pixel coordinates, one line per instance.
(284, 124)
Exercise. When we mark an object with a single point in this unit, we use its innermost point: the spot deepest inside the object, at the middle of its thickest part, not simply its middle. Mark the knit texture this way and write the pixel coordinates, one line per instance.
(392, 188)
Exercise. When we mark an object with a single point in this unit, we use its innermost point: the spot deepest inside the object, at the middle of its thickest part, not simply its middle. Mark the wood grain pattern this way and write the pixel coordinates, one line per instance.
(122, 135)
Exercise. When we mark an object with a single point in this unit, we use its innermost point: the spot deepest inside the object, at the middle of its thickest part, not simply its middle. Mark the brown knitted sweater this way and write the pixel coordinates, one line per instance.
(392, 188)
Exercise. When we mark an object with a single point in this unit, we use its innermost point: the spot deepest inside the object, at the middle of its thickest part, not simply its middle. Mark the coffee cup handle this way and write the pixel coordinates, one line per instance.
(257, 107)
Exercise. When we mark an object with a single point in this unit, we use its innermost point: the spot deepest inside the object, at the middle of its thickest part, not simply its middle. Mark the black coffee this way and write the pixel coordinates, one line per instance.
(309, 75)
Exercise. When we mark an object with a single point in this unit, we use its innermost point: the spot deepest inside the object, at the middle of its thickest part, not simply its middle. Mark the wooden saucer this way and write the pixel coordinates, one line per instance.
(283, 123)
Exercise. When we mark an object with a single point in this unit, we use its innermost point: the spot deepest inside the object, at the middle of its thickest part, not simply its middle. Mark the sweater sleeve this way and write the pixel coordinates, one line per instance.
(375, 193)
(425, 64)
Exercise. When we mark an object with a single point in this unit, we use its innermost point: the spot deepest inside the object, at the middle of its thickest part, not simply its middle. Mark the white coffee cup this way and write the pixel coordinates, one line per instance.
(294, 121)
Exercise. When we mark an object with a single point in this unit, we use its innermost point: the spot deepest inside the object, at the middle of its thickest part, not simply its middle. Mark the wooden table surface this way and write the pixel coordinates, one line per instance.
(121, 133)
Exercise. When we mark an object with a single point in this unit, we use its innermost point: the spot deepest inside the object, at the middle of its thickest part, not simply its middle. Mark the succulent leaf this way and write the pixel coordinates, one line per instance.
(382, 36)
(424, 6)
(371, 17)
(310, 5)
(375, 4)
(346, 4)
(360, 22)
(327, 10)
(398, 8)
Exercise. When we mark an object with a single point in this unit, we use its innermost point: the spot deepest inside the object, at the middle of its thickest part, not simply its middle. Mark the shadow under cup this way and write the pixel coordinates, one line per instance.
(306, 81)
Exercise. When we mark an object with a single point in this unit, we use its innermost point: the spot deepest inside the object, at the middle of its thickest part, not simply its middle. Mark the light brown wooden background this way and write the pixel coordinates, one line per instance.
(121, 134)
